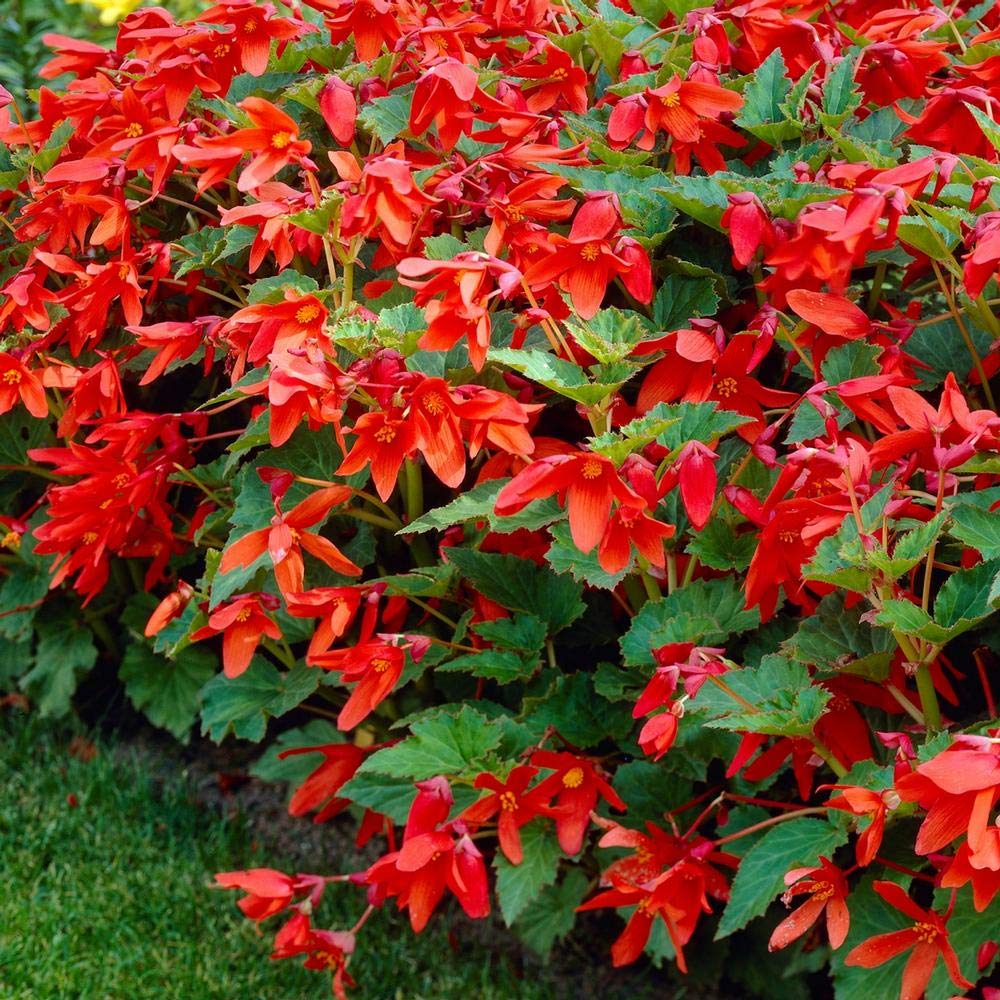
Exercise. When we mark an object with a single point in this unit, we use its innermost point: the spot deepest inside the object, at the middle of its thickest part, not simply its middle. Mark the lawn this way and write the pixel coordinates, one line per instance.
(109, 872)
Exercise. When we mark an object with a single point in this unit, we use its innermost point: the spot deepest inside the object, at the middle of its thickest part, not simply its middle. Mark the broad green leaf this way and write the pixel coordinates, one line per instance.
(166, 691)
(273, 289)
(324, 219)
(550, 916)
(561, 376)
(849, 361)
(763, 115)
(242, 705)
(836, 639)
(761, 874)
(704, 422)
(909, 549)
(964, 600)
(989, 127)
(840, 93)
(523, 633)
(501, 665)
(517, 886)
(564, 557)
(705, 612)
(580, 715)
(382, 794)
(443, 743)
(387, 117)
(477, 503)
(720, 546)
(21, 592)
(978, 529)
(650, 790)
(520, 585)
(611, 335)
(678, 299)
(64, 652)
(207, 247)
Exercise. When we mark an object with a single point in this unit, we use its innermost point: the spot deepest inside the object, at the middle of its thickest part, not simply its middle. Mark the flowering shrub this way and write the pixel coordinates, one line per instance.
(583, 413)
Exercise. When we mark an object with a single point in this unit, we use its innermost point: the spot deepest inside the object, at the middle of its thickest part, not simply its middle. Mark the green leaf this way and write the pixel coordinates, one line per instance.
(448, 743)
(678, 299)
(389, 796)
(522, 633)
(719, 546)
(762, 115)
(26, 586)
(203, 249)
(978, 529)
(964, 600)
(324, 219)
(987, 125)
(835, 639)
(273, 289)
(242, 705)
(298, 767)
(387, 117)
(703, 422)
(849, 361)
(65, 650)
(762, 871)
(649, 790)
(519, 885)
(840, 93)
(562, 377)
(477, 503)
(166, 690)
(583, 717)
(501, 665)
(786, 702)
(550, 916)
(611, 334)
(909, 549)
(564, 557)
(520, 585)
(706, 612)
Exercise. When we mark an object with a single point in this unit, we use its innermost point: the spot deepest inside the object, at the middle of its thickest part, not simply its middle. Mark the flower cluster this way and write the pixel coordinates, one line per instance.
(575, 422)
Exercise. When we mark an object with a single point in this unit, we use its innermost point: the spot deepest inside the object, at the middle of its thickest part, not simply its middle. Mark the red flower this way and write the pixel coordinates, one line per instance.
(384, 440)
(958, 788)
(928, 937)
(827, 889)
(630, 526)
(267, 891)
(274, 141)
(864, 802)
(588, 484)
(375, 666)
(513, 802)
(18, 382)
(433, 858)
(584, 263)
(576, 785)
(286, 538)
(241, 623)
(319, 790)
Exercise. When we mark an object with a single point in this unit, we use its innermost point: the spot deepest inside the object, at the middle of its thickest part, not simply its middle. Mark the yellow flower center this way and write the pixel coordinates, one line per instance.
(514, 213)
(559, 73)
(281, 139)
(573, 778)
(823, 891)
(243, 615)
(671, 100)
(123, 272)
(433, 403)
(727, 387)
(133, 130)
(591, 252)
(249, 27)
(12, 540)
(220, 51)
(508, 801)
(306, 314)
(12, 376)
(380, 665)
(591, 469)
(89, 537)
(385, 434)
(121, 480)
(788, 536)
(926, 933)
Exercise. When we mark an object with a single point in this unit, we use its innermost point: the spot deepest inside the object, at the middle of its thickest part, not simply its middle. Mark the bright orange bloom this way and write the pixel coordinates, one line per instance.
(586, 482)
(928, 937)
(18, 382)
(267, 891)
(286, 538)
(384, 439)
(241, 623)
(274, 141)
(827, 890)
(375, 666)
(319, 790)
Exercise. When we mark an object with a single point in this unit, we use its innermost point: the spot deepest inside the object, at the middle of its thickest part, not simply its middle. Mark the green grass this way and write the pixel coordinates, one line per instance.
(112, 899)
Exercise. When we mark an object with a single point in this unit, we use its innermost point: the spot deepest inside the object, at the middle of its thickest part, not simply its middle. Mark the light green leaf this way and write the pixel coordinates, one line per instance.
(519, 885)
